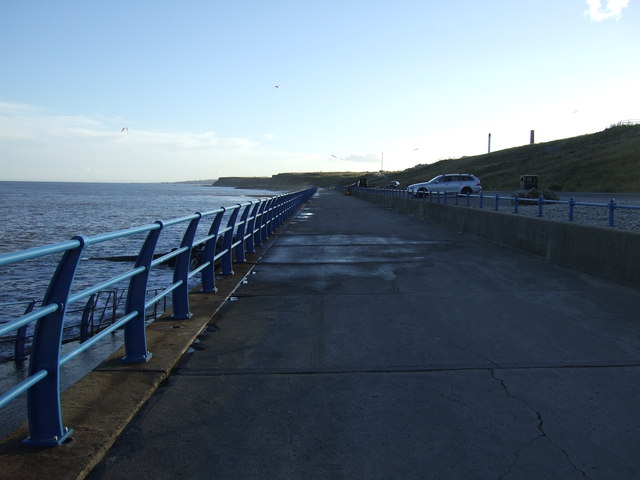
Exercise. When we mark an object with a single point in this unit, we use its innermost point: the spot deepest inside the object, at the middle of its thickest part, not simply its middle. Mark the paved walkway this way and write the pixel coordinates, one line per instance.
(368, 345)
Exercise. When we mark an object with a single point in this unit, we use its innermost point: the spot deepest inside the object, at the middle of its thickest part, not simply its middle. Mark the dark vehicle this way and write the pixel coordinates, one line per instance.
(362, 183)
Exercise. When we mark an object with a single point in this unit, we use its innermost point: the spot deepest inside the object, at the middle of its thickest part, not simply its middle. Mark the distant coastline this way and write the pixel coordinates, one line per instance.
(289, 181)
(245, 182)
(209, 181)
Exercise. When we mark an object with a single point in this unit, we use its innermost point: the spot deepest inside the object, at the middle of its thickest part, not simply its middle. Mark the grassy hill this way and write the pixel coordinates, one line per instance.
(607, 161)
(294, 180)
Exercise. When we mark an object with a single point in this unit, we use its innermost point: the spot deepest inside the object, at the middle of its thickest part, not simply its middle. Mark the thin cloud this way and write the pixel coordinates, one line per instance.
(612, 9)
(7, 108)
(38, 145)
(361, 158)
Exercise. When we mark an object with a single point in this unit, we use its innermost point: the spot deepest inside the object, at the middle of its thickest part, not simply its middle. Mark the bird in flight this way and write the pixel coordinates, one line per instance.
(334, 156)
(124, 129)
(276, 86)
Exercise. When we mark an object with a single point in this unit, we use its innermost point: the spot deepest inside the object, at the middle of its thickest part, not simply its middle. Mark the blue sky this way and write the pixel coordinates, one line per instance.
(363, 84)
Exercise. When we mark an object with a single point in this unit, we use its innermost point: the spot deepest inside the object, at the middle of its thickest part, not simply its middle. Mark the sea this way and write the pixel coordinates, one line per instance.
(35, 214)
(41, 213)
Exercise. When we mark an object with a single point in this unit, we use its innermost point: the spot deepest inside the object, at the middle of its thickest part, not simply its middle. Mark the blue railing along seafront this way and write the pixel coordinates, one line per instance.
(479, 200)
(247, 225)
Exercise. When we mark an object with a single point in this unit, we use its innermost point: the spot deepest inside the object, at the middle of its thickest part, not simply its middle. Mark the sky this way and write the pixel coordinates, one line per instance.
(160, 90)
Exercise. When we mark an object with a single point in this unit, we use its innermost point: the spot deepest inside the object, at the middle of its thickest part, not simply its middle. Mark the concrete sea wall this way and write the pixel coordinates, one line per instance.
(601, 251)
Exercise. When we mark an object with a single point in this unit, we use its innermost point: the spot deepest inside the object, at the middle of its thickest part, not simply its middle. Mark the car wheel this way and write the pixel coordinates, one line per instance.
(466, 190)
(421, 193)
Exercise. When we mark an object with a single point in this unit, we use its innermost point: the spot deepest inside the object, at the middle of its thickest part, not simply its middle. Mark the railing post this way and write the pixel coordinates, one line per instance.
(612, 206)
(86, 318)
(114, 304)
(515, 203)
(266, 219)
(540, 199)
(572, 202)
(277, 214)
(180, 295)
(273, 216)
(19, 353)
(208, 275)
(240, 257)
(496, 207)
(257, 230)
(481, 200)
(251, 228)
(283, 203)
(227, 242)
(135, 335)
(43, 398)
(289, 204)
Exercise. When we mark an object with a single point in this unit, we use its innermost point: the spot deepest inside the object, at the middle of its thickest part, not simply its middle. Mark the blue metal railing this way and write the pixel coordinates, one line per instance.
(100, 310)
(248, 225)
(479, 200)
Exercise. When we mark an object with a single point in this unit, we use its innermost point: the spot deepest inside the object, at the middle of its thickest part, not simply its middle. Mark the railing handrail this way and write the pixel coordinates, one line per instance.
(249, 224)
(611, 204)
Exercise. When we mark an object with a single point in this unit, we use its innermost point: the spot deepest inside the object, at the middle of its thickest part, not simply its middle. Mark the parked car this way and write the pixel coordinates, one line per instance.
(393, 184)
(450, 183)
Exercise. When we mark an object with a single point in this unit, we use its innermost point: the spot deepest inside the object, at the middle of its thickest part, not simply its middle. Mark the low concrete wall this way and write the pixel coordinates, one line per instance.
(601, 251)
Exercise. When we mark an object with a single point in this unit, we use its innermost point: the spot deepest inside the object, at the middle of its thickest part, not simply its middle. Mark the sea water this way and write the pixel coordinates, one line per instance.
(40, 213)
(33, 214)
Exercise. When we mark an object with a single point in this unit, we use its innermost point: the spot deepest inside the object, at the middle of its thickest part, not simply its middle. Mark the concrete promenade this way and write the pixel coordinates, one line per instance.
(367, 344)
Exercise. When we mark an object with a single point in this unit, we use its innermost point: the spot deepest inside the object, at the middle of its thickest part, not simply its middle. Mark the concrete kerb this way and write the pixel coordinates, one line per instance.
(100, 405)
(601, 251)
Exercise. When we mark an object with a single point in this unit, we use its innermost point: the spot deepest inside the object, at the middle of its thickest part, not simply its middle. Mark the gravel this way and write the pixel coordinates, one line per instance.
(624, 218)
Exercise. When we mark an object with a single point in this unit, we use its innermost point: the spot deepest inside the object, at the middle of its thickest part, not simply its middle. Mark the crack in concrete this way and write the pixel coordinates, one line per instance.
(455, 345)
(539, 427)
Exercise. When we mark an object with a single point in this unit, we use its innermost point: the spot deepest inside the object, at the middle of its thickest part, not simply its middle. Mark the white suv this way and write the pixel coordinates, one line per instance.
(450, 183)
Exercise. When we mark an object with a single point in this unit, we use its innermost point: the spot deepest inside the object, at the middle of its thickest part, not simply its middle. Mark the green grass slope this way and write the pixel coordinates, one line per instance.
(607, 161)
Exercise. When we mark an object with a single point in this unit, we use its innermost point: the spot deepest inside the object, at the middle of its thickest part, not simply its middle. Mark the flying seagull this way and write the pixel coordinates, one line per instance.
(334, 156)
(276, 86)
(124, 129)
